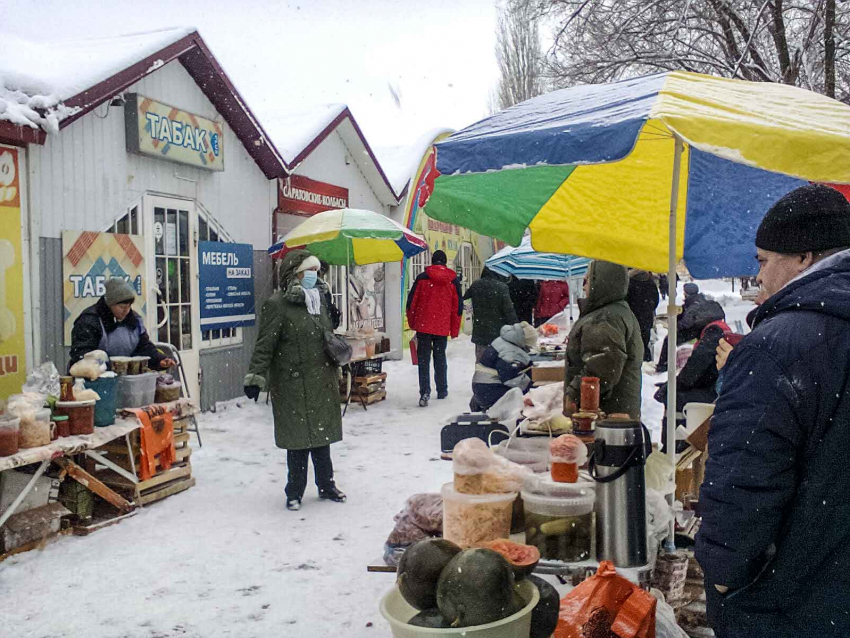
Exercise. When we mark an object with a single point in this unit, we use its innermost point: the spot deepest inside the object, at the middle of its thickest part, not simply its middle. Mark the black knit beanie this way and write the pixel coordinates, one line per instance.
(808, 219)
(439, 258)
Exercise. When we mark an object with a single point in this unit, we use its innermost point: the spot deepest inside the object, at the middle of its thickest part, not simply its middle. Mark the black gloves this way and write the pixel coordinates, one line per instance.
(252, 391)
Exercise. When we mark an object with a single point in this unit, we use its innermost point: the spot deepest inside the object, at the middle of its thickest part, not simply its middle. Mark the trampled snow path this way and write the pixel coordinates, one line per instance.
(227, 559)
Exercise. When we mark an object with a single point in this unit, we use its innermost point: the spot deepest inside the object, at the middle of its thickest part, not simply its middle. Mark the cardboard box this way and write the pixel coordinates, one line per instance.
(12, 483)
(34, 525)
(548, 373)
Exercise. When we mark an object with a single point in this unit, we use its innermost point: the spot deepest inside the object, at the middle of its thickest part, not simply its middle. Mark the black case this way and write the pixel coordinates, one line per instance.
(467, 426)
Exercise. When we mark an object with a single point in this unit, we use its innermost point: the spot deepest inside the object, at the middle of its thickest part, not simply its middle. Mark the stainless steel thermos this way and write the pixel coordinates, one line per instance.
(617, 465)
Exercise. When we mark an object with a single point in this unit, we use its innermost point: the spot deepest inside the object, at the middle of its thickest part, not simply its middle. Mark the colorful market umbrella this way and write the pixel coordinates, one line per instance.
(590, 169)
(643, 172)
(344, 236)
(523, 262)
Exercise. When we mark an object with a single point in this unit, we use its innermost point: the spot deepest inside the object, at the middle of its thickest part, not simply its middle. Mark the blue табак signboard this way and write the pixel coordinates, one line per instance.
(226, 273)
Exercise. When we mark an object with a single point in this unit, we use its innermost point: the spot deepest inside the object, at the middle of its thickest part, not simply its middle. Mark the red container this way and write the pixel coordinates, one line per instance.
(414, 356)
(63, 426)
(564, 472)
(589, 394)
(80, 416)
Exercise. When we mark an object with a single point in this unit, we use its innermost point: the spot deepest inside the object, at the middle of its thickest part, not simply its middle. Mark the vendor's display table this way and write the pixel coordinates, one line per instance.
(111, 456)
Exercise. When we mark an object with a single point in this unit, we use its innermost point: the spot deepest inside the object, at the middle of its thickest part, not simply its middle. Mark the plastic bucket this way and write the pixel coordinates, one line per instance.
(397, 612)
(136, 391)
(491, 511)
(104, 411)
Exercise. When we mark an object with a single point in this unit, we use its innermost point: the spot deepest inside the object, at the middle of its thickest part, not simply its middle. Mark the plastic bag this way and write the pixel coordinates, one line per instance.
(81, 393)
(665, 619)
(422, 517)
(478, 470)
(91, 366)
(569, 449)
(660, 475)
(19, 405)
(604, 605)
(508, 408)
(659, 514)
(544, 403)
(43, 380)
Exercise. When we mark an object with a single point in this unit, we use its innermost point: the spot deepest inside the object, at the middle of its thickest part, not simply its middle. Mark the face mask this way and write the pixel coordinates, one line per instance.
(310, 279)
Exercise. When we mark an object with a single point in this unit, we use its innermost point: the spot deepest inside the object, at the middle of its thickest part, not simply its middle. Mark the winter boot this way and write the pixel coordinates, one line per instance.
(293, 504)
(332, 494)
(442, 395)
(423, 400)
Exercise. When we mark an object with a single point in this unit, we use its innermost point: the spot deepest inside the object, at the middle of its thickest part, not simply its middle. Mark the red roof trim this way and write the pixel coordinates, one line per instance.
(346, 113)
(15, 135)
(200, 63)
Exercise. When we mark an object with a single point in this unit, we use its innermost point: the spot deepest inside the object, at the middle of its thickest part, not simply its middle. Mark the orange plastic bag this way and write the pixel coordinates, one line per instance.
(607, 606)
(157, 438)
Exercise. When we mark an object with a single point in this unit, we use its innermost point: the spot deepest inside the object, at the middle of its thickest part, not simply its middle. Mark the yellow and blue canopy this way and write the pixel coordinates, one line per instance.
(351, 236)
(589, 169)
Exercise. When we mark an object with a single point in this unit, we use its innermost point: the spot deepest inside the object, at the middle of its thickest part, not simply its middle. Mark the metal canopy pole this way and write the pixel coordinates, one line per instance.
(672, 316)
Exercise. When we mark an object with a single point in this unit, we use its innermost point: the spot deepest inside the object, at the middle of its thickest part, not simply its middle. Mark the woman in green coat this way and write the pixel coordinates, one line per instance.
(289, 361)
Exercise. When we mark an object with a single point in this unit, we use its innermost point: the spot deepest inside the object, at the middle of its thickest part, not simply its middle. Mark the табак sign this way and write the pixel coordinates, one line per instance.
(165, 132)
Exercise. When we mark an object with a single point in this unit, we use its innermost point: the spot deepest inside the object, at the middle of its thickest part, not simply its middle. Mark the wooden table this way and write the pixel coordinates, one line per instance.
(357, 368)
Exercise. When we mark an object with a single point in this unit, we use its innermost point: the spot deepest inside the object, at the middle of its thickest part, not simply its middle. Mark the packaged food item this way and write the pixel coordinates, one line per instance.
(8, 435)
(559, 519)
(34, 429)
(120, 365)
(477, 470)
(472, 519)
(63, 427)
(589, 394)
(567, 454)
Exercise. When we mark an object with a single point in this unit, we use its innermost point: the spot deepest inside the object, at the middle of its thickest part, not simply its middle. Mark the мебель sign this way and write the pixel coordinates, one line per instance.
(226, 273)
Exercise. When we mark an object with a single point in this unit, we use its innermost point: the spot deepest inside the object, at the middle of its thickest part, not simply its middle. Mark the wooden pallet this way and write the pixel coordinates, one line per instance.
(369, 379)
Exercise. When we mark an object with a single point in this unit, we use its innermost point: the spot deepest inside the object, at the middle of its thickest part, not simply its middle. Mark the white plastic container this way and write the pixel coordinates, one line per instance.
(136, 391)
(559, 521)
(472, 519)
(35, 428)
(397, 612)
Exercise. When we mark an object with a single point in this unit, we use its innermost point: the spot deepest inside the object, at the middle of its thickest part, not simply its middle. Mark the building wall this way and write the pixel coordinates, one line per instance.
(84, 178)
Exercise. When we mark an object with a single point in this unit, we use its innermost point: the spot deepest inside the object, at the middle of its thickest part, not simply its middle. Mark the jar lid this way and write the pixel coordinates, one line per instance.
(59, 417)
(543, 485)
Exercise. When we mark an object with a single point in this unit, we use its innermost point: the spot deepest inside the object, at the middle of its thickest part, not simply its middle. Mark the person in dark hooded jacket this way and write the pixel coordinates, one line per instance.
(775, 537)
(643, 300)
(605, 342)
(491, 309)
(524, 297)
(697, 312)
(434, 307)
(504, 365)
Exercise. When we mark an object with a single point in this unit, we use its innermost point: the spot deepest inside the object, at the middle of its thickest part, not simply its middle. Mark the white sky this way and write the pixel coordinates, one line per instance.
(291, 54)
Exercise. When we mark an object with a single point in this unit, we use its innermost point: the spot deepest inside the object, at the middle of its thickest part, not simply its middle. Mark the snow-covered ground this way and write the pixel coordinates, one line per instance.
(227, 559)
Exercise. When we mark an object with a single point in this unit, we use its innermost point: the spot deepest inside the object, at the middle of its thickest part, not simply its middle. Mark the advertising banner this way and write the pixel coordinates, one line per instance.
(226, 273)
(299, 195)
(91, 259)
(366, 297)
(165, 132)
(12, 335)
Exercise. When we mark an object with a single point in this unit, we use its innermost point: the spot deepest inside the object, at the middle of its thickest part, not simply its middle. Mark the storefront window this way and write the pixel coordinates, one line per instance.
(173, 252)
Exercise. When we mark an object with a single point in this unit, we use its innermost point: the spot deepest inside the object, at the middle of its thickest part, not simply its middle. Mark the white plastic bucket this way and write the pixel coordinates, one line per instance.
(397, 612)
(696, 414)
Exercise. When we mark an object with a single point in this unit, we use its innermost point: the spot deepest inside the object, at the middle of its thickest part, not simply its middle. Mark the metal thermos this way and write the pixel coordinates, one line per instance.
(617, 465)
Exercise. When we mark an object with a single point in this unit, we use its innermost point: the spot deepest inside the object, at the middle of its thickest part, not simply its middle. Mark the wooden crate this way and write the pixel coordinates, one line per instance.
(164, 483)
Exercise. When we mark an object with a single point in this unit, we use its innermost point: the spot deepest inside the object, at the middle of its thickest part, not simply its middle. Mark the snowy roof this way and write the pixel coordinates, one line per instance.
(45, 86)
(293, 131)
(297, 133)
(401, 162)
(37, 77)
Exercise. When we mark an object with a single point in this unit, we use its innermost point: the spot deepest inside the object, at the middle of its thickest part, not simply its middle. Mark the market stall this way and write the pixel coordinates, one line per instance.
(347, 237)
(77, 454)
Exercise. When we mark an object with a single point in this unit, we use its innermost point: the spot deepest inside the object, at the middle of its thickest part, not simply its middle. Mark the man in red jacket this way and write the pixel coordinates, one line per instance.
(434, 307)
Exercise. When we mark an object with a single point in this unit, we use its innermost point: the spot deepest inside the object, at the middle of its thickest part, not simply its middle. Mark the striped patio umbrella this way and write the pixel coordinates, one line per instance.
(347, 235)
(523, 262)
(643, 172)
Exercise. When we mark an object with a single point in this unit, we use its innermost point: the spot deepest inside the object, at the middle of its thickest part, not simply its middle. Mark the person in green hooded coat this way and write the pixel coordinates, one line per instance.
(289, 362)
(606, 343)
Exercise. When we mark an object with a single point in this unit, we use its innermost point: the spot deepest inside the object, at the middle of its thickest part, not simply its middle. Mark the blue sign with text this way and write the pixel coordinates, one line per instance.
(226, 273)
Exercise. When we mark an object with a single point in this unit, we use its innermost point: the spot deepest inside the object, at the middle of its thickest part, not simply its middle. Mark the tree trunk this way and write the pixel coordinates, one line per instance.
(829, 49)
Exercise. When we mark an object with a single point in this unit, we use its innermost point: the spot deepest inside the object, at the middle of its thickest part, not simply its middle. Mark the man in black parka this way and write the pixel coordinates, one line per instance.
(775, 535)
